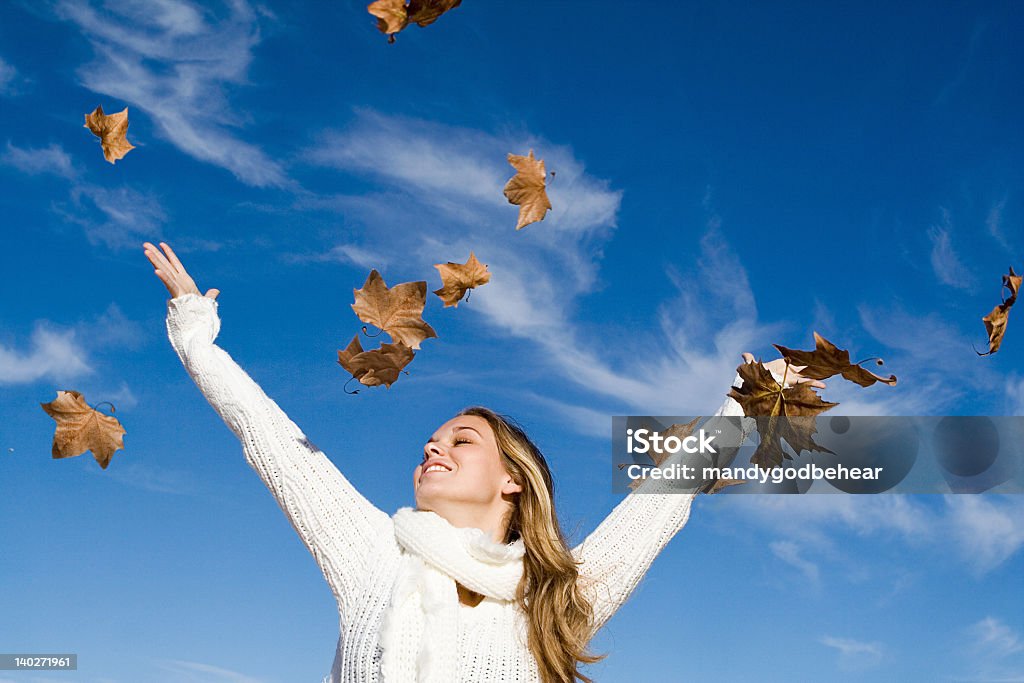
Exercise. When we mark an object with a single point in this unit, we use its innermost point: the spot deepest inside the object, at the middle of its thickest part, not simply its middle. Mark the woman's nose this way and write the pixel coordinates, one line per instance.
(432, 448)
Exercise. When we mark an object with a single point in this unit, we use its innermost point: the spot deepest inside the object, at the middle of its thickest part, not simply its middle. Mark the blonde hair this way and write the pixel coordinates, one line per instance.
(559, 616)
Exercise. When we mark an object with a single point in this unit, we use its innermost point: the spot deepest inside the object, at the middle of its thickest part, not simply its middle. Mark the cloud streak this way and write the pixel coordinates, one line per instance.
(946, 263)
(7, 75)
(173, 60)
(52, 160)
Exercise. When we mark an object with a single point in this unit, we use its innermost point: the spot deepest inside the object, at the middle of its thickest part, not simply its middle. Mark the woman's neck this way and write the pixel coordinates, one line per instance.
(490, 519)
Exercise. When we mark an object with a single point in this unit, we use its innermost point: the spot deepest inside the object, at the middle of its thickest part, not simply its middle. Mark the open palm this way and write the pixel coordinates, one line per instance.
(172, 273)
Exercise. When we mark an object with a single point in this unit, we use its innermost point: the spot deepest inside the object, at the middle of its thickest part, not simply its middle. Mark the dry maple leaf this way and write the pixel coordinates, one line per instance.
(391, 15)
(376, 367)
(781, 413)
(426, 12)
(827, 360)
(394, 15)
(526, 189)
(458, 278)
(81, 428)
(995, 322)
(111, 130)
(398, 310)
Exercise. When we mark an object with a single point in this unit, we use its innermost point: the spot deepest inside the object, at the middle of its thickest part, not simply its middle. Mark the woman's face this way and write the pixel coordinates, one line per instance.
(462, 464)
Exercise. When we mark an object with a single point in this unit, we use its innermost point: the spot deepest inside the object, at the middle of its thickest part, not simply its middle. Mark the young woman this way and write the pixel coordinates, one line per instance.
(476, 584)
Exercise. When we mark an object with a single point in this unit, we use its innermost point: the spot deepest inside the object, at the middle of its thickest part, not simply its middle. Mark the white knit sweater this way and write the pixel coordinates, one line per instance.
(353, 541)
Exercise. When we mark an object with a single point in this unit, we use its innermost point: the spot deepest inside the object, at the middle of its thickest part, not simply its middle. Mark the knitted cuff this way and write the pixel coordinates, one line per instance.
(192, 317)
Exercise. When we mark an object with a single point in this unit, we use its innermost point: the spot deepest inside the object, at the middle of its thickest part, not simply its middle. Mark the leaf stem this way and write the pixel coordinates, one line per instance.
(97, 406)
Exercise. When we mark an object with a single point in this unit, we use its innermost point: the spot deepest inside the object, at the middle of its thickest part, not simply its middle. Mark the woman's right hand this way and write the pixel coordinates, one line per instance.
(172, 273)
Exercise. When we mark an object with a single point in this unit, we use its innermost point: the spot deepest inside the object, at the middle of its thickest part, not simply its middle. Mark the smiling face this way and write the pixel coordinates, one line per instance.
(462, 466)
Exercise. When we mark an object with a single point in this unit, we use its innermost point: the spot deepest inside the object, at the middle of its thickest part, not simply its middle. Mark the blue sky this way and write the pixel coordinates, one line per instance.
(727, 177)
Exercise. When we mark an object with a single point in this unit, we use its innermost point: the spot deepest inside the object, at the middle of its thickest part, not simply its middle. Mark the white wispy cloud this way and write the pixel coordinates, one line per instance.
(198, 672)
(924, 351)
(945, 261)
(854, 654)
(980, 533)
(789, 552)
(995, 638)
(993, 652)
(176, 60)
(7, 75)
(62, 352)
(118, 217)
(987, 531)
(52, 354)
(1014, 394)
(51, 159)
(964, 64)
(994, 223)
(342, 253)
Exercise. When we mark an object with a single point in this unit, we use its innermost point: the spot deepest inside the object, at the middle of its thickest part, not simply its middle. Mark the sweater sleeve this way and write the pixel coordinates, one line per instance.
(616, 555)
(335, 522)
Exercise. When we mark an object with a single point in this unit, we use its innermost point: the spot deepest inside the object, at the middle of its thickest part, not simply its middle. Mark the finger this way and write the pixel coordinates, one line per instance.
(173, 257)
(212, 293)
(748, 357)
(158, 260)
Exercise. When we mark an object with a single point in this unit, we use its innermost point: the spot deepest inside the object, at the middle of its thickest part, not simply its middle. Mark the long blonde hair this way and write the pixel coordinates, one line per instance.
(559, 616)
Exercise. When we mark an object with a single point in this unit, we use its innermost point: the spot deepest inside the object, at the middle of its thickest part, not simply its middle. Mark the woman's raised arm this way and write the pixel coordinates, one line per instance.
(616, 555)
(335, 521)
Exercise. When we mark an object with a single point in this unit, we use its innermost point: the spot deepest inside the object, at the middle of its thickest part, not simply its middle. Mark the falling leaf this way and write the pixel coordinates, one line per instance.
(1012, 282)
(680, 431)
(781, 414)
(81, 428)
(458, 278)
(995, 321)
(526, 189)
(391, 15)
(827, 360)
(995, 327)
(398, 310)
(394, 15)
(376, 367)
(111, 130)
(426, 12)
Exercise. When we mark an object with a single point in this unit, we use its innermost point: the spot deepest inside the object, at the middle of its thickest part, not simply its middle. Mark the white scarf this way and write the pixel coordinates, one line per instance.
(425, 600)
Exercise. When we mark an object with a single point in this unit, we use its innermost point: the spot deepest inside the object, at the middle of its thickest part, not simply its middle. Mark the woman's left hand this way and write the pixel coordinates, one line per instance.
(778, 367)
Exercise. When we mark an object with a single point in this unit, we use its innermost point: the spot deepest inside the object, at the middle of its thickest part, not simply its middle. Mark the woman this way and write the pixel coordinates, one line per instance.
(476, 584)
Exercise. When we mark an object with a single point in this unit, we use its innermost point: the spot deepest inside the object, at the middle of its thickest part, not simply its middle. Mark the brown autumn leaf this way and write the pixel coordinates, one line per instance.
(680, 431)
(995, 322)
(81, 428)
(458, 278)
(765, 400)
(391, 15)
(426, 12)
(394, 15)
(376, 367)
(397, 310)
(111, 130)
(1012, 282)
(526, 189)
(827, 360)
